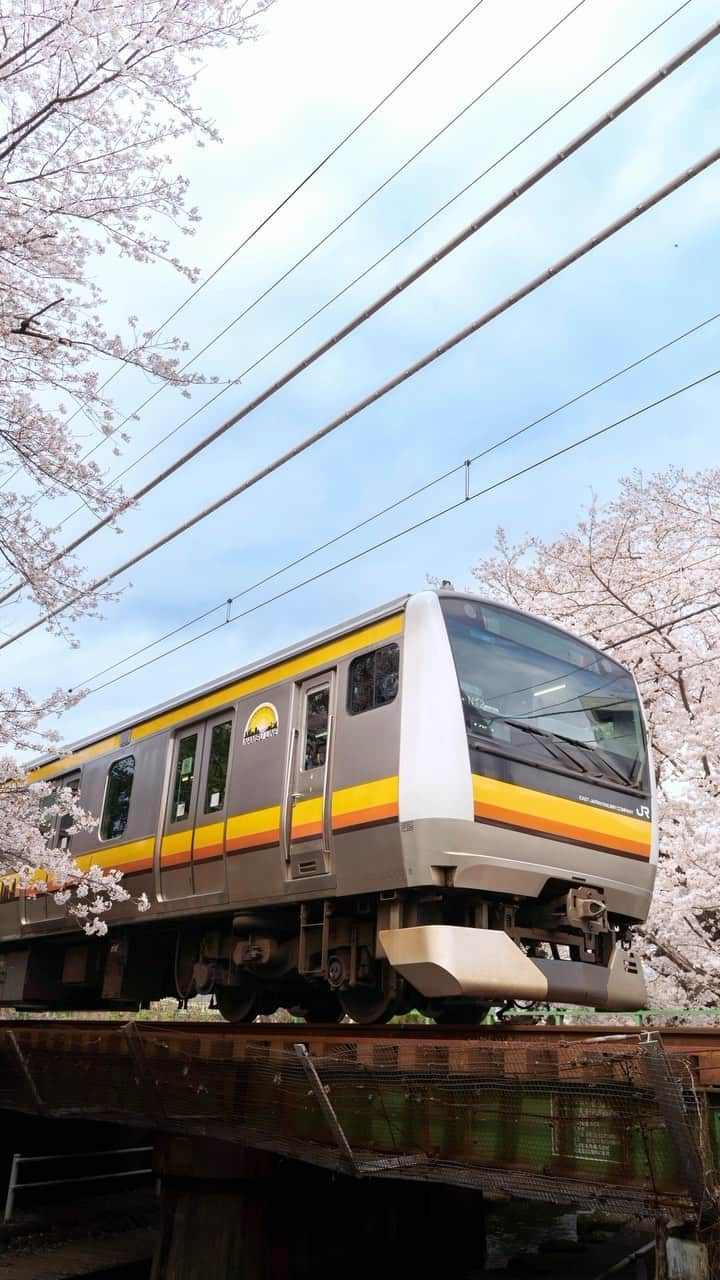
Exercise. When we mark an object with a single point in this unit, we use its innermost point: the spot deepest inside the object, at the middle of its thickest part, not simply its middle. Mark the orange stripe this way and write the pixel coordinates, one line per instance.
(303, 829)
(178, 855)
(585, 835)
(207, 851)
(142, 864)
(375, 813)
(254, 839)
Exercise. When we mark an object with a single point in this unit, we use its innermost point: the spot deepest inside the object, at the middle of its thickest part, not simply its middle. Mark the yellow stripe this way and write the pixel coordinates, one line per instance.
(212, 833)
(365, 796)
(117, 856)
(319, 657)
(309, 810)
(175, 842)
(272, 675)
(350, 800)
(77, 758)
(249, 824)
(558, 815)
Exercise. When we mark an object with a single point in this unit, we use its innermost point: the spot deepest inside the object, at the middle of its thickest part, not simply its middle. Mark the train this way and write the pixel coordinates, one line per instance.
(443, 804)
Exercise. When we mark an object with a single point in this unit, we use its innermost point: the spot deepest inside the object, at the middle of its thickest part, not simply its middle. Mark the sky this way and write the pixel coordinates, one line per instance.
(281, 103)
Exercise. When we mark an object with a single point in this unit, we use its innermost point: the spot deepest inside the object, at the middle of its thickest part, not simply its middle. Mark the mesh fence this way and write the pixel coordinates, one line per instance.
(610, 1121)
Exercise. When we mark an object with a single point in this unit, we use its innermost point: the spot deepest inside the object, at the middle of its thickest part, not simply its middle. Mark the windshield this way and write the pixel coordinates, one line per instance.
(537, 692)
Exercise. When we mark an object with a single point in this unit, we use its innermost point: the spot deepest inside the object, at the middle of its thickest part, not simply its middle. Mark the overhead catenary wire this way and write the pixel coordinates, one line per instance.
(282, 204)
(419, 524)
(343, 222)
(228, 601)
(217, 395)
(663, 626)
(409, 372)
(82, 506)
(493, 211)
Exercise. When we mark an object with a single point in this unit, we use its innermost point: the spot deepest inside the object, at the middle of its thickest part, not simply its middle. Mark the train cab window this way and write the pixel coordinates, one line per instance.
(373, 679)
(218, 766)
(184, 775)
(317, 710)
(117, 798)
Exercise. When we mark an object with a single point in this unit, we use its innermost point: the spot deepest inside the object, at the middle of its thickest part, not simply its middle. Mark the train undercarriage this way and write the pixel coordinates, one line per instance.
(450, 955)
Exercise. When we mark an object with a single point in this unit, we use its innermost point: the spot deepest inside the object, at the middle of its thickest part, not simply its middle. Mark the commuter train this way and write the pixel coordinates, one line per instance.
(443, 804)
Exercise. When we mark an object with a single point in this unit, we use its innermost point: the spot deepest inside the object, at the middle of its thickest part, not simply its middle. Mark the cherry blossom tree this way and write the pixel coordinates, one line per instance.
(646, 562)
(94, 97)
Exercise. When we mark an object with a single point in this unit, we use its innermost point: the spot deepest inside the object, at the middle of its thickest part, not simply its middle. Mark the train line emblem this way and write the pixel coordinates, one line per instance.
(262, 723)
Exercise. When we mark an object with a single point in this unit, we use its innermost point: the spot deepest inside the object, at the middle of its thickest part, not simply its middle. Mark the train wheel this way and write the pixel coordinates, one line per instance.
(460, 1015)
(236, 1004)
(379, 1003)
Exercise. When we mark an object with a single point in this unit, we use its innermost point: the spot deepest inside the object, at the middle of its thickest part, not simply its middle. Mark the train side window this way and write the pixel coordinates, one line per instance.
(117, 798)
(218, 766)
(317, 709)
(184, 775)
(373, 680)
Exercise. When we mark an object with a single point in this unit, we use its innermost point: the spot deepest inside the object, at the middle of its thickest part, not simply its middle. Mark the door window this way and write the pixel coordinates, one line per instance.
(217, 769)
(317, 708)
(117, 798)
(73, 784)
(184, 775)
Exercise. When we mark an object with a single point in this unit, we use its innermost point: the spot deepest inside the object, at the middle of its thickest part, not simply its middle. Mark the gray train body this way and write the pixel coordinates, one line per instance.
(355, 825)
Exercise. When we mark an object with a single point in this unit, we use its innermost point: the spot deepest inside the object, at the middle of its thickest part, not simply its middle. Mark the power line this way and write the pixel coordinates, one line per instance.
(378, 261)
(663, 626)
(286, 199)
(407, 497)
(347, 218)
(428, 264)
(346, 288)
(418, 524)
(410, 371)
(686, 666)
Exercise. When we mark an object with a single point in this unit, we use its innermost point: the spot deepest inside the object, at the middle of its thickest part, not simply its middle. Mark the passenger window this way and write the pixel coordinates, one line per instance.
(218, 766)
(373, 679)
(117, 798)
(184, 774)
(317, 707)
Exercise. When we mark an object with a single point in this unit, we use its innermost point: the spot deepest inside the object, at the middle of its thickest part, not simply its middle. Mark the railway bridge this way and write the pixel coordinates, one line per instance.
(285, 1150)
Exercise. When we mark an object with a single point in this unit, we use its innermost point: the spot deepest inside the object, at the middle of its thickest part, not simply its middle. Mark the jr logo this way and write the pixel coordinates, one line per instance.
(642, 811)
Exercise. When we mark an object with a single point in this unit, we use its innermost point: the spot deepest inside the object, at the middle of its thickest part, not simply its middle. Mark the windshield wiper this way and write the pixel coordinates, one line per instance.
(597, 755)
(608, 769)
(547, 738)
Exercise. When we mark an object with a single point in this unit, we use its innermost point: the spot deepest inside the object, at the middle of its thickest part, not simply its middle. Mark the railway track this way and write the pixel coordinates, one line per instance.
(676, 1038)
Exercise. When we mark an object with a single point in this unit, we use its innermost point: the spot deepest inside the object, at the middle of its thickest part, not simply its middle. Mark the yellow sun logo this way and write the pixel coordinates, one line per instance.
(263, 723)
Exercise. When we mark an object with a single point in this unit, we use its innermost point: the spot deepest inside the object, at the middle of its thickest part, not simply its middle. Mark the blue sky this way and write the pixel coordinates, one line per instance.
(280, 104)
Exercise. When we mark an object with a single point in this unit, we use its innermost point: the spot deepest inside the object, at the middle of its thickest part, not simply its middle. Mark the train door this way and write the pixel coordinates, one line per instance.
(39, 905)
(208, 848)
(176, 841)
(309, 802)
(192, 850)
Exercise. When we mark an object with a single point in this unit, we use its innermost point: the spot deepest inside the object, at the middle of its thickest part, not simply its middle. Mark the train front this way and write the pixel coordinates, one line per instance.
(527, 807)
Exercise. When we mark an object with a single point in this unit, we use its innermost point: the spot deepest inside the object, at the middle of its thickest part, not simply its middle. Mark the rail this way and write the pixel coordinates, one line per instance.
(513, 1029)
